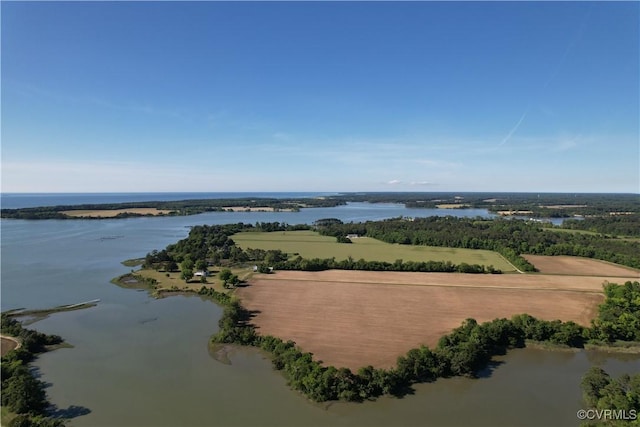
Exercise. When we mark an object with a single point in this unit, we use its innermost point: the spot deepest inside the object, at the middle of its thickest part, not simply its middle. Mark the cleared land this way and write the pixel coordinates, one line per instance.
(453, 206)
(310, 244)
(357, 318)
(109, 213)
(579, 266)
(255, 209)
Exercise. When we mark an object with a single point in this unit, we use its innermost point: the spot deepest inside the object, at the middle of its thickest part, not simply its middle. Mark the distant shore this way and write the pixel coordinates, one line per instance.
(111, 213)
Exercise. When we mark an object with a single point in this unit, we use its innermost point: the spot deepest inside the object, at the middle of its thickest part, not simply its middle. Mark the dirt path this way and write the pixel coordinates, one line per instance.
(8, 344)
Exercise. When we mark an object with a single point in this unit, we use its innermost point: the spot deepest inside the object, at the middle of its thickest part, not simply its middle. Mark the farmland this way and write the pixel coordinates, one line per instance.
(579, 266)
(355, 318)
(309, 244)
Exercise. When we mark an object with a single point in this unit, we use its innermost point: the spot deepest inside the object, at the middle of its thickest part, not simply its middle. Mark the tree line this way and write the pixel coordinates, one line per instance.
(465, 351)
(509, 237)
(180, 207)
(320, 264)
(22, 393)
(615, 225)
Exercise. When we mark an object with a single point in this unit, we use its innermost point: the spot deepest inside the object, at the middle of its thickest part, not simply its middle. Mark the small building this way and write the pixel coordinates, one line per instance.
(201, 273)
(352, 236)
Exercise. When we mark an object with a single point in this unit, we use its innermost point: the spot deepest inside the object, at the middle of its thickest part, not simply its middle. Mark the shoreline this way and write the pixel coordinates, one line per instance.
(194, 288)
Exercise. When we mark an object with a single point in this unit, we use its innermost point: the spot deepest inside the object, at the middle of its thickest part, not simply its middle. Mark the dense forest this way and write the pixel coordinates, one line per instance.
(22, 393)
(612, 225)
(465, 351)
(539, 205)
(612, 401)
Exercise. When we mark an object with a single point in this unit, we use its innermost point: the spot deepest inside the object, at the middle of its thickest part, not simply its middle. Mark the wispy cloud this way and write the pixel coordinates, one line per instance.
(514, 129)
(147, 108)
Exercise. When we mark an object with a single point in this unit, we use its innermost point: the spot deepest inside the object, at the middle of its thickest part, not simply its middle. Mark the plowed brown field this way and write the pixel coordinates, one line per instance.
(579, 266)
(357, 318)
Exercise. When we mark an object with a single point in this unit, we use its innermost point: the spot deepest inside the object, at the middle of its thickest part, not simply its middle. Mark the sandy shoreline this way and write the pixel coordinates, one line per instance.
(110, 213)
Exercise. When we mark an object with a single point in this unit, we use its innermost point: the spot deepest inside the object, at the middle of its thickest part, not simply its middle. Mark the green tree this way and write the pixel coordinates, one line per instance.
(201, 265)
(187, 264)
(234, 280)
(593, 383)
(23, 394)
(186, 274)
(225, 274)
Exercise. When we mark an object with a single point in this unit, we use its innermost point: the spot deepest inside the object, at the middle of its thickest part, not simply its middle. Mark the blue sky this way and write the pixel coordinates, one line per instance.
(337, 96)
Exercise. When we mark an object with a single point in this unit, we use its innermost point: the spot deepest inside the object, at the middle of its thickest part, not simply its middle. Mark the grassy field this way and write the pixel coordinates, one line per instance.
(309, 244)
(172, 281)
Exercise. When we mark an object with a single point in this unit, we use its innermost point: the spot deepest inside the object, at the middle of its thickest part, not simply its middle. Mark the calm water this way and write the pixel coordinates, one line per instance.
(139, 361)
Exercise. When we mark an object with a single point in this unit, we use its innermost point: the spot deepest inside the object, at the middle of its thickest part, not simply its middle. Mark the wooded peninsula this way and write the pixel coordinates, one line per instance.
(463, 351)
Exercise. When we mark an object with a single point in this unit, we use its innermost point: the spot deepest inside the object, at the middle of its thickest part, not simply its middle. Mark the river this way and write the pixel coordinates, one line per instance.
(139, 361)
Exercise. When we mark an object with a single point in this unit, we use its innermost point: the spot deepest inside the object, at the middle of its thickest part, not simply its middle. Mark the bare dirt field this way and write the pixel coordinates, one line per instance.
(357, 318)
(109, 213)
(580, 266)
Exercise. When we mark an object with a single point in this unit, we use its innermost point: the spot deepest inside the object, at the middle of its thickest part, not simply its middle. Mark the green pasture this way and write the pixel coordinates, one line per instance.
(309, 244)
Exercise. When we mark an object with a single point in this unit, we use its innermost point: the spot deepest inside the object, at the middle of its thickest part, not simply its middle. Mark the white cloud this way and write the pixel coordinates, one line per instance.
(566, 144)
(394, 182)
